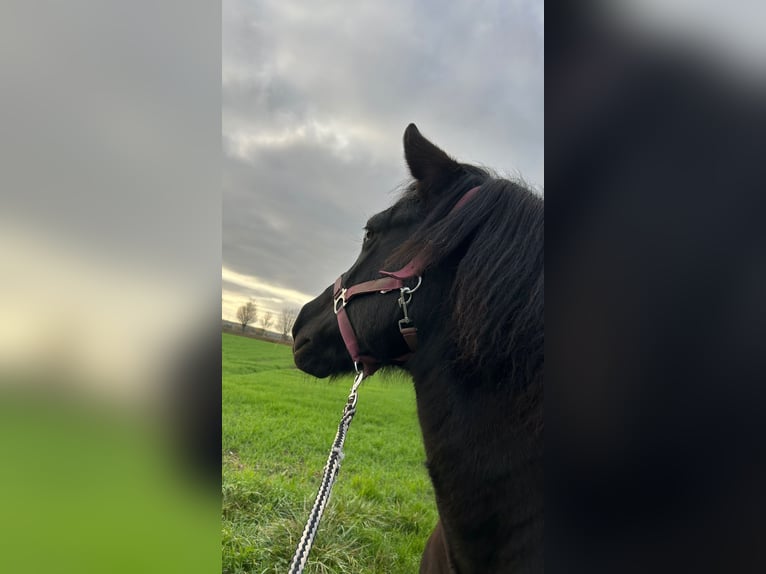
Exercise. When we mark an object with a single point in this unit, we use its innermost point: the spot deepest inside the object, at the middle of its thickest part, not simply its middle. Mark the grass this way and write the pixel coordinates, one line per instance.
(90, 487)
(278, 425)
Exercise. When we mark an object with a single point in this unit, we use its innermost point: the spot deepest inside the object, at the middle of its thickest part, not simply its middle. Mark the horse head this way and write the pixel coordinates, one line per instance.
(390, 242)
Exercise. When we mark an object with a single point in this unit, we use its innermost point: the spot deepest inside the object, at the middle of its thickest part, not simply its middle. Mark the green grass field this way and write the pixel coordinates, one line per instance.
(278, 425)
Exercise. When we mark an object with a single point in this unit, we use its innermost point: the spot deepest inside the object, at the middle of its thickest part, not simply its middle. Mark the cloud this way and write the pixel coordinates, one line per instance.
(238, 287)
(315, 101)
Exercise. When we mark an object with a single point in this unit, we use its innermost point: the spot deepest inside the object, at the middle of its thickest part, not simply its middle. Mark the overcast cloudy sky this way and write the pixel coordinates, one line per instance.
(316, 97)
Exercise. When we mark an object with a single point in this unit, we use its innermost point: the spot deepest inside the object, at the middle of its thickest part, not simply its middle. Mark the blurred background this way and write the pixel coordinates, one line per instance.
(656, 323)
(109, 287)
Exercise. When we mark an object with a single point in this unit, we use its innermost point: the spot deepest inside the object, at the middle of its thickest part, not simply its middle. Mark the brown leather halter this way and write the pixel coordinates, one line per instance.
(391, 281)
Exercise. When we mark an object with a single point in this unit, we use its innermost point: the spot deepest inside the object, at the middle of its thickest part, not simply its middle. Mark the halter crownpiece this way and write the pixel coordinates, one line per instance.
(391, 281)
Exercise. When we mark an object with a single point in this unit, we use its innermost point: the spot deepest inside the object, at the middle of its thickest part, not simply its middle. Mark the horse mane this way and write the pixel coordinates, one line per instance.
(496, 241)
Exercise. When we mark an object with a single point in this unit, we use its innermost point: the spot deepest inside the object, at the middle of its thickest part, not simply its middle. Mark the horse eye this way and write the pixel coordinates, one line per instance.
(367, 234)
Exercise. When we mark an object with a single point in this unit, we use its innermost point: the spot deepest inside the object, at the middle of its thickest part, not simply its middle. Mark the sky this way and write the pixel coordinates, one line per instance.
(315, 100)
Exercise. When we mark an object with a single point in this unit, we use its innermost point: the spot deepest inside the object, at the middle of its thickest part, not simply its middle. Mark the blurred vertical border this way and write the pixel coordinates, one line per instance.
(656, 278)
(110, 266)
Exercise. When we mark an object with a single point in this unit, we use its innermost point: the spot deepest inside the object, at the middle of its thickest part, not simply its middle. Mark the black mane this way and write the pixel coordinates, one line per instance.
(497, 300)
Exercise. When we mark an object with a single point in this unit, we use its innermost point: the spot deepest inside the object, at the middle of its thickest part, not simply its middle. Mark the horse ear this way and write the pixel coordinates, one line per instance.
(428, 164)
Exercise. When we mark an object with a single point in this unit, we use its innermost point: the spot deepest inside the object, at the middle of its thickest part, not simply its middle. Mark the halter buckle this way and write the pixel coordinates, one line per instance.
(340, 298)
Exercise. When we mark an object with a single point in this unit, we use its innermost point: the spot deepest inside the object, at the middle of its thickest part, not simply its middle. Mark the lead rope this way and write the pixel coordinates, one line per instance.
(329, 476)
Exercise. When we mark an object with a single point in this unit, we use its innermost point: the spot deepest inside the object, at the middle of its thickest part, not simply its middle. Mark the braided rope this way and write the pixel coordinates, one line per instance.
(329, 476)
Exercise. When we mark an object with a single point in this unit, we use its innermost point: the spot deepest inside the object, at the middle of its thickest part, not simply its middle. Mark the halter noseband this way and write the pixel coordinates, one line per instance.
(391, 281)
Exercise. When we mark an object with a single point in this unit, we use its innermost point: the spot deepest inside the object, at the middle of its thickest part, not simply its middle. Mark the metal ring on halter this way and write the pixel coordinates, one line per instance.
(415, 288)
(407, 291)
(341, 298)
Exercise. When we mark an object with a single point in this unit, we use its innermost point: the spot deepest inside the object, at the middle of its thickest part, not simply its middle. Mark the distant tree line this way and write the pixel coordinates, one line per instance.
(248, 314)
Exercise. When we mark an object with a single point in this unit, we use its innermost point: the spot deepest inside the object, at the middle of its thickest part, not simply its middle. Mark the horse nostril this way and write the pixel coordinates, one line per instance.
(300, 342)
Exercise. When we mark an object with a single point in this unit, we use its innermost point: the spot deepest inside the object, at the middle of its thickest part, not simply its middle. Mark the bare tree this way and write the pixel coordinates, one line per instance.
(287, 320)
(267, 320)
(246, 314)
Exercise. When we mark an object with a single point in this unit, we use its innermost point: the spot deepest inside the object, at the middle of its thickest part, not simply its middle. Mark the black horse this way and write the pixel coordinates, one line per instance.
(476, 241)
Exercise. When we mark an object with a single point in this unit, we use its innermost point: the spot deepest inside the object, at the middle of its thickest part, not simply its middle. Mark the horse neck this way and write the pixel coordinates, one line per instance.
(484, 451)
